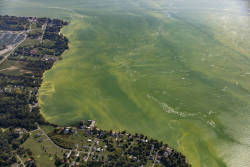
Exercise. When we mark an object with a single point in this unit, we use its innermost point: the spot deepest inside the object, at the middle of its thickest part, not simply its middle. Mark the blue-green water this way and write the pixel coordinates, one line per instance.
(174, 70)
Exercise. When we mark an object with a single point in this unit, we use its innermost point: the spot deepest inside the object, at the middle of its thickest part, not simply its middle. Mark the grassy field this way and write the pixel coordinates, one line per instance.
(44, 151)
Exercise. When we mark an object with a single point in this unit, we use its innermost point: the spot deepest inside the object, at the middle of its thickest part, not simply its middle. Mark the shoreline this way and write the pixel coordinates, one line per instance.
(37, 59)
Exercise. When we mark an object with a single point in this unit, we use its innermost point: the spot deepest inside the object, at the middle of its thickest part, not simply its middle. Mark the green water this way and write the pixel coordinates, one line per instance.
(177, 71)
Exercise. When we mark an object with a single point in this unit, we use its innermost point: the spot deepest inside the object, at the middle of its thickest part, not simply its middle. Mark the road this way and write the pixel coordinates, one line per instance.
(155, 158)
(45, 134)
(20, 160)
(9, 48)
(48, 138)
(5, 57)
(90, 151)
(13, 49)
(44, 28)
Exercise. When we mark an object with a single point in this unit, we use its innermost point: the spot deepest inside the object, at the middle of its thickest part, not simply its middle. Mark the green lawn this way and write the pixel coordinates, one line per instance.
(42, 151)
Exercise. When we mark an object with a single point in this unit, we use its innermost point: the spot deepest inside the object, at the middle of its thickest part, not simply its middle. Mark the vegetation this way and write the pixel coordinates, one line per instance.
(84, 145)
(43, 150)
(10, 141)
(12, 23)
(95, 147)
(18, 91)
(21, 77)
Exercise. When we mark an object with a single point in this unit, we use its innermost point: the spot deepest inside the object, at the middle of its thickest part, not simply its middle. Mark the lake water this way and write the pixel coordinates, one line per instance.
(175, 70)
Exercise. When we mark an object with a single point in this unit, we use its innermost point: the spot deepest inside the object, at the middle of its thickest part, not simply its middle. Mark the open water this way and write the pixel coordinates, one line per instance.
(175, 70)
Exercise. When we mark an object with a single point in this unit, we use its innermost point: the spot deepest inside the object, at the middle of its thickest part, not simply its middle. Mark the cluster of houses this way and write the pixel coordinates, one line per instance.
(90, 125)
(20, 131)
(38, 135)
(11, 88)
(93, 147)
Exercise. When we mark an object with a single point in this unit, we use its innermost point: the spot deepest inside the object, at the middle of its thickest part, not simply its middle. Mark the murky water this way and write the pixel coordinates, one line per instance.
(175, 70)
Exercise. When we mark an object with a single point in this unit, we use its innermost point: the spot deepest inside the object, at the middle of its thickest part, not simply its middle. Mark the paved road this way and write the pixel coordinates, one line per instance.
(90, 151)
(5, 57)
(25, 37)
(44, 28)
(45, 134)
(20, 160)
(155, 158)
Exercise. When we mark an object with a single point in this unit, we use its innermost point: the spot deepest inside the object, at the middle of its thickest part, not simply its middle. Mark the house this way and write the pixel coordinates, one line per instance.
(66, 131)
(20, 130)
(166, 154)
(169, 150)
(37, 135)
(92, 124)
(74, 131)
(83, 127)
(134, 158)
(59, 128)
(67, 154)
(52, 59)
(33, 51)
(76, 146)
(73, 163)
(86, 147)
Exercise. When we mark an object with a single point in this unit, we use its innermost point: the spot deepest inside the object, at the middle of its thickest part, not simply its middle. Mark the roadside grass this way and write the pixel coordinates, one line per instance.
(47, 128)
(81, 139)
